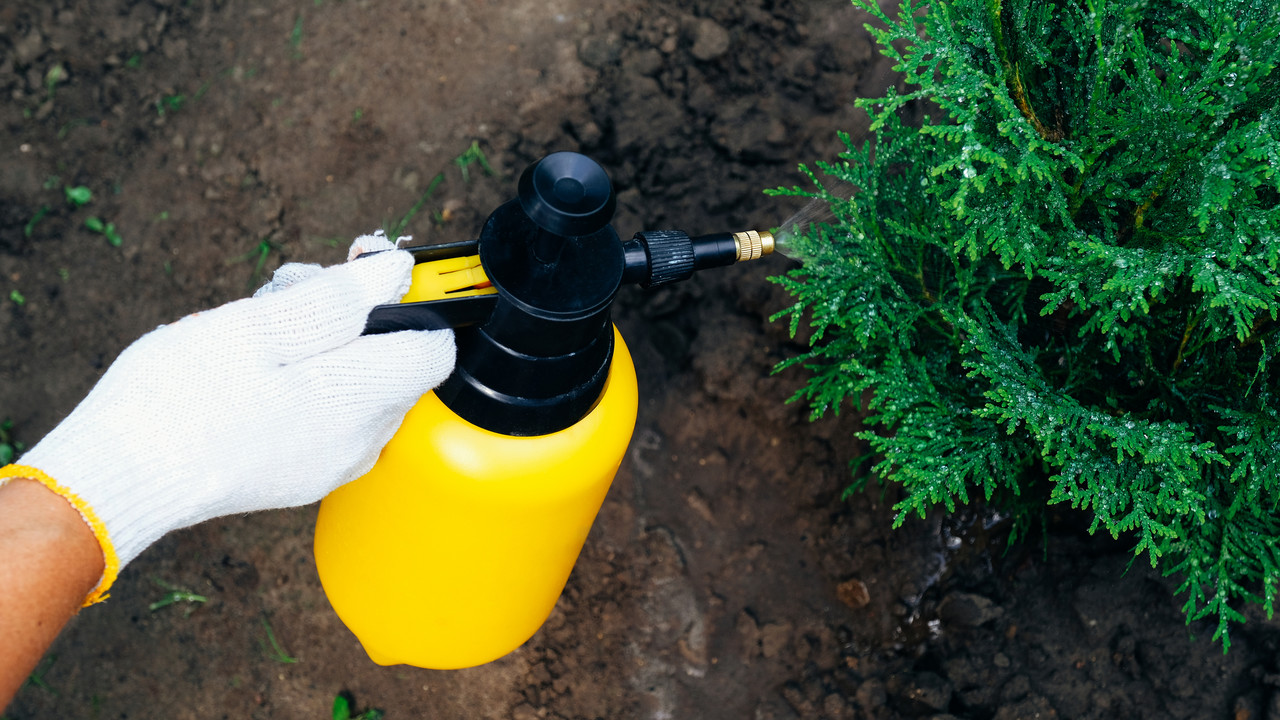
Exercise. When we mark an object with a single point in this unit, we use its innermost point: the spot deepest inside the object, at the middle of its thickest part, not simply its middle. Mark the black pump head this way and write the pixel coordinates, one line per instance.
(566, 193)
(540, 361)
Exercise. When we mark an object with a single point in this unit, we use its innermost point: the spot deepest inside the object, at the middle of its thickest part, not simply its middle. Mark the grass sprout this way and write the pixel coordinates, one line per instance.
(472, 156)
(176, 595)
(272, 647)
(394, 231)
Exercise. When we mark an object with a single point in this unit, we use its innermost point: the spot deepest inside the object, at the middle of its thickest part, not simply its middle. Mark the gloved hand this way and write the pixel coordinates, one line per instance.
(267, 402)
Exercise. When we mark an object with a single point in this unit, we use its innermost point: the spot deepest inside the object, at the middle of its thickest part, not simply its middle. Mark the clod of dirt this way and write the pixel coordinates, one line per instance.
(710, 41)
(854, 593)
(773, 638)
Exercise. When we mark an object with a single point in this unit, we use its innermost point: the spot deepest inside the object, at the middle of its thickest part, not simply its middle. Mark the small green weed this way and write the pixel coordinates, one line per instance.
(10, 449)
(357, 115)
(200, 91)
(472, 155)
(134, 62)
(176, 595)
(169, 104)
(52, 79)
(261, 251)
(295, 38)
(17, 297)
(274, 652)
(342, 710)
(30, 227)
(106, 229)
(78, 196)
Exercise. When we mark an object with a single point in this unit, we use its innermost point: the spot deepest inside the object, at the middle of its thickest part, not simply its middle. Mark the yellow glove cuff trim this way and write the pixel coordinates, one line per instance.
(110, 561)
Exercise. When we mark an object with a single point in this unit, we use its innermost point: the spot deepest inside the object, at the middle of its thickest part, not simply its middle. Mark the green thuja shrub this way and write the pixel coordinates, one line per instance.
(1064, 286)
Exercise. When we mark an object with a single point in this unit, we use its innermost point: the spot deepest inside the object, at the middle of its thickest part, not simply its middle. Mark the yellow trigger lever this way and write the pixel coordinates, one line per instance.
(448, 291)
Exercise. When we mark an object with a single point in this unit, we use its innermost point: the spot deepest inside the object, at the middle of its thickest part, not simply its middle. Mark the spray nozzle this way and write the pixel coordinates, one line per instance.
(658, 257)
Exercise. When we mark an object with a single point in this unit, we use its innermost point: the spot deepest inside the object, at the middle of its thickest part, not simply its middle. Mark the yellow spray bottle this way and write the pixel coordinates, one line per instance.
(454, 548)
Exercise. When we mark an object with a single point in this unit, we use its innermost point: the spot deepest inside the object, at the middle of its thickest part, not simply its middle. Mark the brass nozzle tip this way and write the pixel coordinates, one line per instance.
(753, 245)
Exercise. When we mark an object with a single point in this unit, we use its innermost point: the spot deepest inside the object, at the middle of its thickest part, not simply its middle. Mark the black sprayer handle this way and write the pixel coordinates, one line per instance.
(431, 314)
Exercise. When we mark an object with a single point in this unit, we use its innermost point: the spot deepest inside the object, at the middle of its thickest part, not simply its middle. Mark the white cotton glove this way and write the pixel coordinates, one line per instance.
(267, 402)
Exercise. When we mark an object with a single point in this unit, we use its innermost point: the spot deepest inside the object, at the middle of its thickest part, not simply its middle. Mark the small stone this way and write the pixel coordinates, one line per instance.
(588, 132)
(710, 41)
(853, 593)
(777, 132)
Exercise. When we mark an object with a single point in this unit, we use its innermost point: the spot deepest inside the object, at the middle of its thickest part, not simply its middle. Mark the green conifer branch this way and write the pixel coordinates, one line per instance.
(1012, 76)
(1071, 292)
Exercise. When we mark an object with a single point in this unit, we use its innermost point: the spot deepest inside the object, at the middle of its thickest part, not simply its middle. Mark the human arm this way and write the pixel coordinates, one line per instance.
(267, 402)
(51, 562)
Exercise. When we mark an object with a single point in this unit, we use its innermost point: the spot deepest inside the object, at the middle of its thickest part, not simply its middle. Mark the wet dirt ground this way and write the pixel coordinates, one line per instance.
(725, 576)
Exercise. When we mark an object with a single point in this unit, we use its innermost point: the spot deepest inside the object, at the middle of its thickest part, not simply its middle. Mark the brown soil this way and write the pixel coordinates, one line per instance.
(725, 576)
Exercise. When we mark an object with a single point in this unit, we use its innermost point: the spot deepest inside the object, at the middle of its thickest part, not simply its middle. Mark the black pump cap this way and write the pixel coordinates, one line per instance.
(539, 362)
(567, 194)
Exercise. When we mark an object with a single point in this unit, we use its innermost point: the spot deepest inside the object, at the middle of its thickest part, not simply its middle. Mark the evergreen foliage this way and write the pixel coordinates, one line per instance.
(1064, 287)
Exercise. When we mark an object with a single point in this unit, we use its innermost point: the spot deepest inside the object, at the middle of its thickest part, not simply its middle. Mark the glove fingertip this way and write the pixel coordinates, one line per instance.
(376, 242)
(287, 275)
(384, 277)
